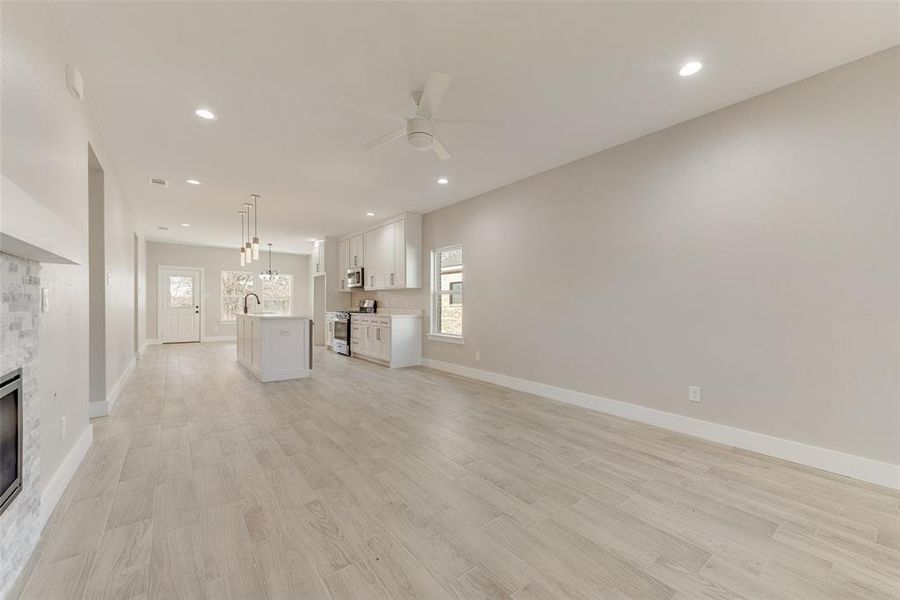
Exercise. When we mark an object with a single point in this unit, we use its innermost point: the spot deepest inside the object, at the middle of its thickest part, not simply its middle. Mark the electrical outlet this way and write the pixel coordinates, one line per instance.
(63, 428)
(477, 356)
(694, 393)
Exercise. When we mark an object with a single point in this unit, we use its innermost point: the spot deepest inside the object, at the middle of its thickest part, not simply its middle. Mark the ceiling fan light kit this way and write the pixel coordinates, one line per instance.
(419, 129)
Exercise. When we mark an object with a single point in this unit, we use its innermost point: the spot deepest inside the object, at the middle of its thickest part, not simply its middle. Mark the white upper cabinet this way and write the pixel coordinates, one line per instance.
(397, 276)
(393, 254)
(390, 253)
(319, 258)
(343, 264)
(357, 254)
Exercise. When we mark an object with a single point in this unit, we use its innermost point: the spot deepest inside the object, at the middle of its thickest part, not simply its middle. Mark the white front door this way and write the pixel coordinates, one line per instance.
(179, 305)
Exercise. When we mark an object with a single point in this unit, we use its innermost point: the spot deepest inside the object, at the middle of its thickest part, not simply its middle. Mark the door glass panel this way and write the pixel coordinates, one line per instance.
(181, 291)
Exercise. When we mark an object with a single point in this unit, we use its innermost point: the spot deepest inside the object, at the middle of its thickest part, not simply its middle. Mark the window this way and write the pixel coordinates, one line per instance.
(181, 291)
(275, 293)
(447, 292)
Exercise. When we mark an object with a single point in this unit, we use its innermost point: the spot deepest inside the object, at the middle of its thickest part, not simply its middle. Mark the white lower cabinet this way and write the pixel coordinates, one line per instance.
(395, 340)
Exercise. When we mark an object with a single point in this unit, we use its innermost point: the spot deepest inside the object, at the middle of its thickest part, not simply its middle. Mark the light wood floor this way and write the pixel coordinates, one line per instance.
(367, 483)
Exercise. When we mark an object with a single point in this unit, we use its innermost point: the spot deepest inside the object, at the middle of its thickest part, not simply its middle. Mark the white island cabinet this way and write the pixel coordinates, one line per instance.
(275, 347)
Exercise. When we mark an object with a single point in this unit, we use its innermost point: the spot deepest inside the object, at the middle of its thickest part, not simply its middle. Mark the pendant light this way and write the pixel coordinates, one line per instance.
(255, 243)
(248, 245)
(243, 255)
(270, 272)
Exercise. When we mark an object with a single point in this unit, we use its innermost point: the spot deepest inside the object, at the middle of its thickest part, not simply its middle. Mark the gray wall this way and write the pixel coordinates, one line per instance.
(214, 261)
(752, 251)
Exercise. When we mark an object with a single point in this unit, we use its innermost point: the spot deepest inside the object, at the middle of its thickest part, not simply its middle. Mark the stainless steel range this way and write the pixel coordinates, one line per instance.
(342, 326)
(342, 333)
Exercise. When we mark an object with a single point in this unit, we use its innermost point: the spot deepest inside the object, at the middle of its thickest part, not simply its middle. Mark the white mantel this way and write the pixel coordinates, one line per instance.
(29, 230)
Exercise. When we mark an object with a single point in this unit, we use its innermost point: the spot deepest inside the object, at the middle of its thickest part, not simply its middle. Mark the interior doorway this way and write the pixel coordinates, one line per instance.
(96, 280)
(135, 267)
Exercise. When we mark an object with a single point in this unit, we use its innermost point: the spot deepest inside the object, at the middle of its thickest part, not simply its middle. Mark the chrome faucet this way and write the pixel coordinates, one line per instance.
(245, 301)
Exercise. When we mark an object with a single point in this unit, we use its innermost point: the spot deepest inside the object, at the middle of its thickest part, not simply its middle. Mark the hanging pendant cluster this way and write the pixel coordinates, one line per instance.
(250, 245)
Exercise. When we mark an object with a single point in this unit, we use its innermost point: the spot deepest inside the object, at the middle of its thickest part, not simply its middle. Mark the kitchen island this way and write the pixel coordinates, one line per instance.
(275, 347)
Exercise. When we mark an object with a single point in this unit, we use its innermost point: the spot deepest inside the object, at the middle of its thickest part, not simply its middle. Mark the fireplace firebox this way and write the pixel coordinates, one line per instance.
(11, 409)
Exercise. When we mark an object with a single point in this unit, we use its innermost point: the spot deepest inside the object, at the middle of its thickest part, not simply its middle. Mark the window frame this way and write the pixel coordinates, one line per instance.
(434, 332)
(256, 288)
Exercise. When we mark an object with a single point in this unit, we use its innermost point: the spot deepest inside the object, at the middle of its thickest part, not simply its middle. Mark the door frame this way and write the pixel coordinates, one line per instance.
(160, 293)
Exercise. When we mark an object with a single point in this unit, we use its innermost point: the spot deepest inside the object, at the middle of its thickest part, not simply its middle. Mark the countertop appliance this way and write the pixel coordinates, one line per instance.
(355, 277)
(366, 305)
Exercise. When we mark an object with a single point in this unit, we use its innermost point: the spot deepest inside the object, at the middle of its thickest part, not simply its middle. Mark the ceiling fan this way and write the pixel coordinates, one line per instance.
(419, 129)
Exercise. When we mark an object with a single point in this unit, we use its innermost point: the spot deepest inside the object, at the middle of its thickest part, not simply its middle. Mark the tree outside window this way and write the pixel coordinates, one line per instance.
(276, 293)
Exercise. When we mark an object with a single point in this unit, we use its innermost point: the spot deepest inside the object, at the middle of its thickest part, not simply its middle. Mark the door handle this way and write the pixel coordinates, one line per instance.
(392, 279)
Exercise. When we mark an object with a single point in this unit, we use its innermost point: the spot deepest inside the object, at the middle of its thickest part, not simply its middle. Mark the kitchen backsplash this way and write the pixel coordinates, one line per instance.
(394, 298)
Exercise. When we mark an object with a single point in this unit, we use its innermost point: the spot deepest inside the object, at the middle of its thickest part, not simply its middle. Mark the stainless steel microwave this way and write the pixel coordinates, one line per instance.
(355, 277)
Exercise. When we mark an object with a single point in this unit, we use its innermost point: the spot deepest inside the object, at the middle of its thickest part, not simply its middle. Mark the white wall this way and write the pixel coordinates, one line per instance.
(754, 251)
(214, 261)
(45, 138)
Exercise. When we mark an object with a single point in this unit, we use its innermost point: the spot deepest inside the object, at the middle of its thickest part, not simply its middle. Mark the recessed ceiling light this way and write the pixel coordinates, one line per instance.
(690, 69)
(205, 113)
(185, 224)
(443, 181)
(370, 214)
(193, 182)
(313, 240)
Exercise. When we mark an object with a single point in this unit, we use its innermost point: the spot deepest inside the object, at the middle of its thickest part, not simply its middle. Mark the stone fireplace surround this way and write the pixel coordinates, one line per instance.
(20, 300)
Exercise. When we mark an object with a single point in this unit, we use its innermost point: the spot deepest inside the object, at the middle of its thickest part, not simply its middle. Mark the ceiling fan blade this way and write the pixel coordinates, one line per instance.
(441, 150)
(486, 123)
(373, 111)
(431, 97)
(387, 138)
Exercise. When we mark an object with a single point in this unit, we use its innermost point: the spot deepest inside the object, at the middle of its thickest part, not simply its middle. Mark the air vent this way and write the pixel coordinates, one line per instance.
(160, 182)
(163, 228)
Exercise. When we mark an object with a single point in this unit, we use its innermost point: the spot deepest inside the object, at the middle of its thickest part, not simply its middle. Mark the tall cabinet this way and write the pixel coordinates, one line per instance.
(343, 264)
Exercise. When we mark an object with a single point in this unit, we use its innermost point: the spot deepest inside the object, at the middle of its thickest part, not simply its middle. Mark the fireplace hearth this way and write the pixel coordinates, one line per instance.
(10, 438)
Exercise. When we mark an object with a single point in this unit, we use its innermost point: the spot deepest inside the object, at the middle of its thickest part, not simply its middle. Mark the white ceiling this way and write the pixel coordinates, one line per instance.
(567, 79)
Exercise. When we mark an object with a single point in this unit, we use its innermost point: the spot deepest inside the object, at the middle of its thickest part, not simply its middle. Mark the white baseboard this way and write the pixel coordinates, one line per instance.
(858, 467)
(102, 409)
(143, 347)
(56, 485)
(220, 338)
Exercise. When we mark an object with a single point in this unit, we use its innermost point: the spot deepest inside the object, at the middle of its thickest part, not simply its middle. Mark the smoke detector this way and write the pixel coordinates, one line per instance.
(158, 181)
